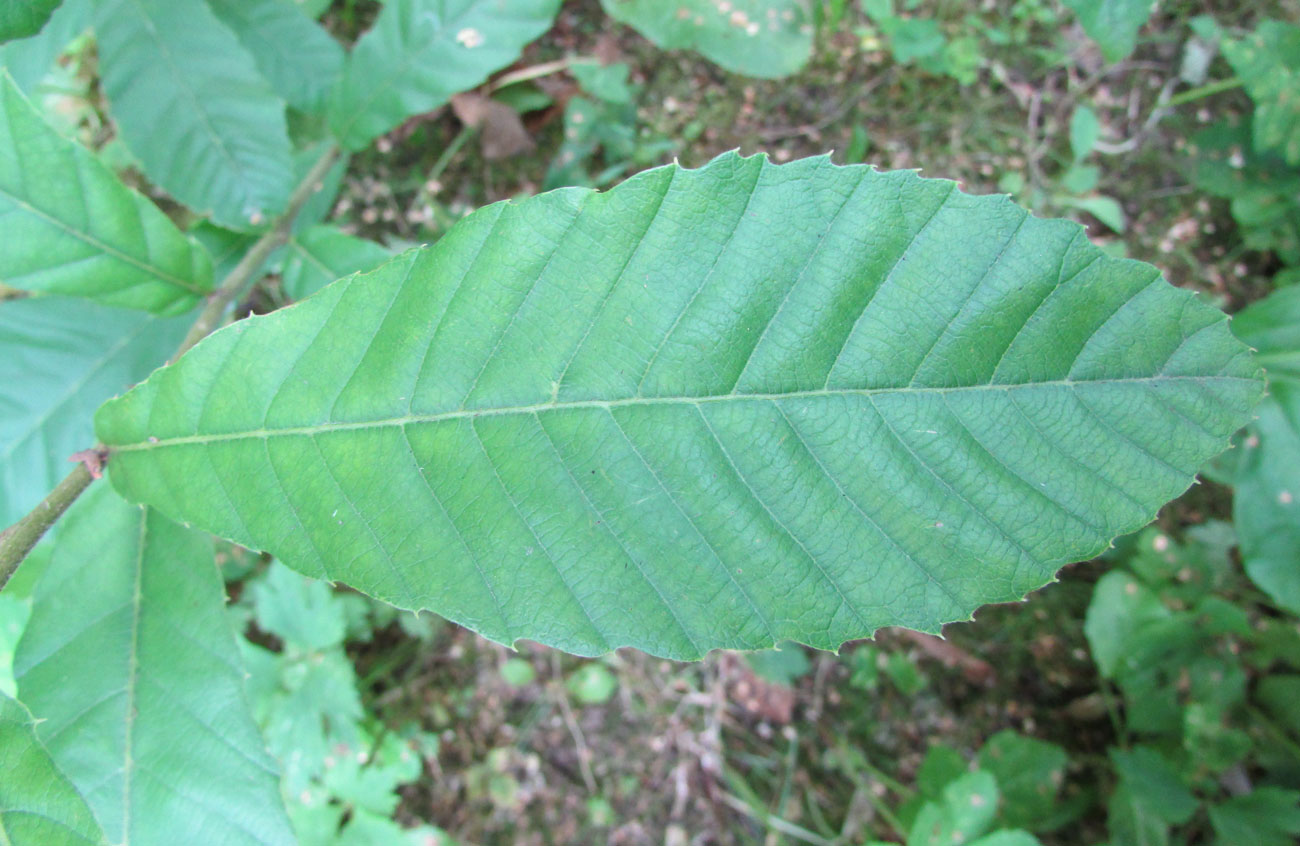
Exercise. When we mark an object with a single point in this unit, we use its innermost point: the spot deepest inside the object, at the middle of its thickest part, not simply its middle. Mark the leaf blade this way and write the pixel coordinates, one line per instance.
(38, 804)
(158, 731)
(204, 125)
(21, 18)
(767, 39)
(75, 229)
(67, 357)
(297, 56)
(420, 52)
(711, 396)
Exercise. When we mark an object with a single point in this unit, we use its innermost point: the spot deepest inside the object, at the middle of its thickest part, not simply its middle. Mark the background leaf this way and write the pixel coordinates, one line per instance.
(72, 227)
(1267, 816)
(184, 93)
(1266, 474)
(38, 805)
(1268, 62)
(156, 730)
(420, 52)
(296, 55)
(316, 257)
(28, 60)
(62, 358)
(1113, 24)
(712, 408)
(21, 18)
(762, 38)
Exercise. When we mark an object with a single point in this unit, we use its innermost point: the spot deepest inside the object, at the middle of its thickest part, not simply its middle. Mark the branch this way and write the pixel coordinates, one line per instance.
(234, 283)
(19, 539)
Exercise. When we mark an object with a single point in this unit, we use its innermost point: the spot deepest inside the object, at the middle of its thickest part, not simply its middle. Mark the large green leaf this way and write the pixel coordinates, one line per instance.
(763, 38)
(62, 358)
(1266, 475)
(130, 663)
(71, 227)
(420, 52)
(299, 58)
(722, 407)
(21, 18)
(189, 104)
(1113, 24)
(1268, 62)
(38, 804)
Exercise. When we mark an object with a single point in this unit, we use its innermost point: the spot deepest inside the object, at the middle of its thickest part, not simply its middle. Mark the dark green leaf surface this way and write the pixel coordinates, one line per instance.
(420, 52)
(133, 669)
(318, 256)
(298, 57)
(711, 408)
(1267, 816)
(28, 60)
(762, 38)
(72, 227)
(1113, 24)
(204, 124)
(1268, 62)
(21, 18)
(59, 359)
(1266, 507)
(38, 804)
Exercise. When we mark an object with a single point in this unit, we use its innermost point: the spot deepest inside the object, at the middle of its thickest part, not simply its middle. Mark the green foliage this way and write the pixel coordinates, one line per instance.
(962, 814)
(709, 408)
(784, 665)
(1262, 190)
(298, 58)
(760, 38)
(1030, 773)
(1113, 24)
(319, 255)
(921, 41)
(420, 52)
(1268, 63)
(605, 123)
(190, 105)
(1266, 467)
(592, 684)
(38, 805)
(1163, 629)
(517, 672)
(64, 357)
(604, 442)
(341, 768)
(156, 731)
(21, 18)
(29, 59)
(1268, 816)
(99, 240)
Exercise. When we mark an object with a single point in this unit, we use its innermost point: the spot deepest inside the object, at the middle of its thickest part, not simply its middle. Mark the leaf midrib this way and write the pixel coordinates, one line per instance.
(538, 408)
